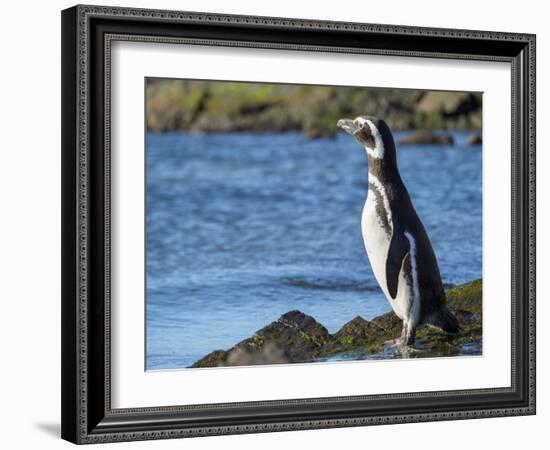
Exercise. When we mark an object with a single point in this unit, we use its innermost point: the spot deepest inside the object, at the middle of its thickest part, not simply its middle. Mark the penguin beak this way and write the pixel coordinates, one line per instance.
(347, 125)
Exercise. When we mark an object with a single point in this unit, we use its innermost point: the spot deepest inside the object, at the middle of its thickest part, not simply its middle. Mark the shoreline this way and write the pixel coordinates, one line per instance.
(206, 106)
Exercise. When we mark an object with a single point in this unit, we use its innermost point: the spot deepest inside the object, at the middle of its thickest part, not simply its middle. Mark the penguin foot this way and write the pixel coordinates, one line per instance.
(404, 342)
(399, 342)
(408, 335)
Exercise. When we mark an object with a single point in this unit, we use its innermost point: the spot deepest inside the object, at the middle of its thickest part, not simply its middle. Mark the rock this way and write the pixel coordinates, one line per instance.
(474, 139)
(359, 329)
(426, 137)
(448, 103)
(270, 353)
(294, 337)
(299, 334)
(390, 323)
(215, 359)
(358, 336)
(297, 337)
(465, 317)
(466, 297)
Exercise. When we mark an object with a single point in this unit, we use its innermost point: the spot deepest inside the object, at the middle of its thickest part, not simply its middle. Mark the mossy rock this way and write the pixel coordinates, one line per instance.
(466, 297)
(359, 330)
(294, 337)
(217, 358)
(297, 337)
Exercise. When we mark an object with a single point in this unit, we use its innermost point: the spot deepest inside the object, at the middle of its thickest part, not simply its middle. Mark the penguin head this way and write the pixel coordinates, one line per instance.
(373, 134)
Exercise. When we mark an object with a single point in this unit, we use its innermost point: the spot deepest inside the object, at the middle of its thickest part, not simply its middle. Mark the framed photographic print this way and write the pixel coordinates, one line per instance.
(282, 224)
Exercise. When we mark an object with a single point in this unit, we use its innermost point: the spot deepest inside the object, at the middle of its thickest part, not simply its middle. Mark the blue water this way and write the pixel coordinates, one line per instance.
(242, 228)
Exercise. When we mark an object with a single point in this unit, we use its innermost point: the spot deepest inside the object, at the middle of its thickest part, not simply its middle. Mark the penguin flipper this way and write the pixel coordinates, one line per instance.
(398, 249)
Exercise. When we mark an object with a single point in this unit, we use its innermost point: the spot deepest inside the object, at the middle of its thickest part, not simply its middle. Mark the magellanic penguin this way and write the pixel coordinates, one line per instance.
(399, 250)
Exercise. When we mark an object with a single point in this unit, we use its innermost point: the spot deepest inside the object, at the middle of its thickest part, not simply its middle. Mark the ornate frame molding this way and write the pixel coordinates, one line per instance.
(86, 210)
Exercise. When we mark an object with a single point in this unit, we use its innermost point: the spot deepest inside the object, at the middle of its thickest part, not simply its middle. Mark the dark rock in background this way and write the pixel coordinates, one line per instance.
(474, 139)
(448, 103)
(426, 137)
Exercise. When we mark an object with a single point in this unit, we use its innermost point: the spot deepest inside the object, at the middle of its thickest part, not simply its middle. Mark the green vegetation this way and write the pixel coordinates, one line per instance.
(256, 340)
(212, 106)
(466, 297)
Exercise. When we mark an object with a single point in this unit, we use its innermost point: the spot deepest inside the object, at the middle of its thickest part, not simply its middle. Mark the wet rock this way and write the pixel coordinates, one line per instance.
(466, 317)
(359, 329)
(358, 333)
(294, 337)
(466, 297)
(390, 323)
(216, 358)
(270, 353)
(297, 337)
(426, 137)
(301, 335)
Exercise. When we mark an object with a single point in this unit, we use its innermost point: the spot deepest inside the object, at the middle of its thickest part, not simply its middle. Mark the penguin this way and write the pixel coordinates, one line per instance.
(398, 248)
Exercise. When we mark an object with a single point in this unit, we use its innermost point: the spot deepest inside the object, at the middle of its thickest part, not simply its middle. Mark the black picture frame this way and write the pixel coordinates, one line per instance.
(87, 32)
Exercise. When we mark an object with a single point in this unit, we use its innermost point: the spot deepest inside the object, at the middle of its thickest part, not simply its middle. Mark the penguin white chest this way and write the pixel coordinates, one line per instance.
(376, 239)
(376, 230)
